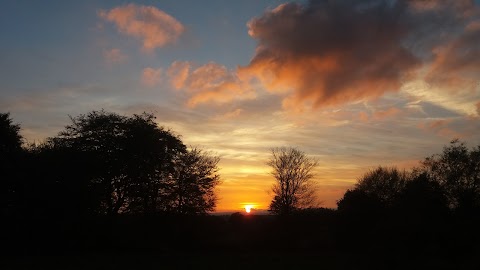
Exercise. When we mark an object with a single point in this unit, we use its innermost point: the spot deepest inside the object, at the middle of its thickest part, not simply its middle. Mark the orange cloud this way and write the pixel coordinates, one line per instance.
(153, 26)
(208, 83)
(178, 73)
(473, 26)
(461, 7)
(457, 64)
(478, 108)
(386, 113)
(329, 53)
(434, 125)
(229, 115)
(151, 77)
(114, 56)
(363, 116)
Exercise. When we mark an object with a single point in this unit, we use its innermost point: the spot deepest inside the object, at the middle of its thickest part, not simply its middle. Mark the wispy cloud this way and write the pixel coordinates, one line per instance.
(153, 26)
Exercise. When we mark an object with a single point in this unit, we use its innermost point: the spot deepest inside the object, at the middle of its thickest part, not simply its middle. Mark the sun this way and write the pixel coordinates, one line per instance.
(248, 208)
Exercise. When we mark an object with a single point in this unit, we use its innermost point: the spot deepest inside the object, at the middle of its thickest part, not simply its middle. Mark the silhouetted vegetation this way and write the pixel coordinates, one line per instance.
(293, 172)
(122, 192)
(105, 164)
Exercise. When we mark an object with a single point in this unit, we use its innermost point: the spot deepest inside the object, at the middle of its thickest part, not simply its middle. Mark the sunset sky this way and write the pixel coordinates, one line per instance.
(355, 84)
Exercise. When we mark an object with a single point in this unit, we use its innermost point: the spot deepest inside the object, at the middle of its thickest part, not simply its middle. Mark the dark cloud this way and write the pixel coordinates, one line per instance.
(331, 52)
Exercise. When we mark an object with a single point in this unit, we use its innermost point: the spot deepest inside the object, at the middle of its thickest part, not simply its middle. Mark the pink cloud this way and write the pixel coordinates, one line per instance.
(211, 82)
(151, 77)
(153, 26)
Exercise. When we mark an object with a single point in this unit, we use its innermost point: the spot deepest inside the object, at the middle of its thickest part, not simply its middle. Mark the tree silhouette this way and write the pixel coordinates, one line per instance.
(383, 183)
(10, 138)
(110, 164)
(457, 171)
(358, 203)
(128, 161)
(10, 162)
(193, 181)
(422, 197)
(293, 172)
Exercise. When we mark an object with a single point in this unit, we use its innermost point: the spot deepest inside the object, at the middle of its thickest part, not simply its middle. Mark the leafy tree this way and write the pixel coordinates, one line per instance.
(193, 181)
(153, 153)
(358, 203)
(422, 198)
(383, 183)
(127, 161)
(293, 172)
(457, 171)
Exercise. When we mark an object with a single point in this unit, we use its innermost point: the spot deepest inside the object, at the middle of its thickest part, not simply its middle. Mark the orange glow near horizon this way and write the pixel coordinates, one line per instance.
(249, 207)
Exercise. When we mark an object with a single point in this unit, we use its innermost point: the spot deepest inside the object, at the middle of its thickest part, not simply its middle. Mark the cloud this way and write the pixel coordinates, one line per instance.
(457, 63)
(151, 77)
(383, 114)
(334, 52)
(153, 26)
(211, 82)
(478, 108)
(178, 73)
(229, 115)
(114, 56)
(328, 53)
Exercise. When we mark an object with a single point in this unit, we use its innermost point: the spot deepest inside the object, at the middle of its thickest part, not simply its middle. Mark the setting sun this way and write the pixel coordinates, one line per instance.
(249, 207)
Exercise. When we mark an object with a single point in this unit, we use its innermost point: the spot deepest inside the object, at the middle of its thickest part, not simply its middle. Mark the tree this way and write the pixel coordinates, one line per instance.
(10, 162)
(293, 172)
(422, 198)
(110, 164)
(358, 203)
(457, 171)
(383, 183)
(193, 181)
(10, 138)
(127, 161)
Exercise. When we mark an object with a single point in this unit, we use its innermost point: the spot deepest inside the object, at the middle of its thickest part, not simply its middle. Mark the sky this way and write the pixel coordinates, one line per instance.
(354, 84)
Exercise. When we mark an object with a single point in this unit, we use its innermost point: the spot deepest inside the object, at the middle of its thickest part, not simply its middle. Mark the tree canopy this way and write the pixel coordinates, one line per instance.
(457, 171)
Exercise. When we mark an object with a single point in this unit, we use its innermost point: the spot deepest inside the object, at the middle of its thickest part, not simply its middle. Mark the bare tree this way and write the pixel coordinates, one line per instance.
(293, 172)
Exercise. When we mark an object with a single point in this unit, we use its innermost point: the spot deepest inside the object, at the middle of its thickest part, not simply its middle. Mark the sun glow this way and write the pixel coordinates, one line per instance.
(248, 208)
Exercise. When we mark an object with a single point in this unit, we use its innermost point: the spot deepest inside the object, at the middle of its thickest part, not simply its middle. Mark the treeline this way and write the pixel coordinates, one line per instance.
(449, 181)
(104, 164)
(112, 183)
(430, 213)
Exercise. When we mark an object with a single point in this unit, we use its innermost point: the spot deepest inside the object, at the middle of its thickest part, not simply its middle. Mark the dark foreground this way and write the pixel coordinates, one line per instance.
(320, 240)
